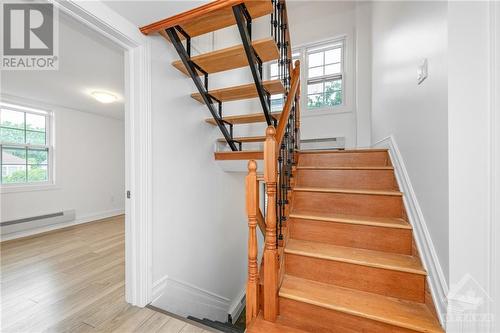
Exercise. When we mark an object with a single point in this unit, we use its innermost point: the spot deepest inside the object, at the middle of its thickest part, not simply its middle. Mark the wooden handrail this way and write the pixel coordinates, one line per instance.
(280, 131)
(252, 200)
(188, 16)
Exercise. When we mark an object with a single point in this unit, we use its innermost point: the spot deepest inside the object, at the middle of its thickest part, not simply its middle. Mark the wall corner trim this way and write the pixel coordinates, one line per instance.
(185, 299)
(436, 278)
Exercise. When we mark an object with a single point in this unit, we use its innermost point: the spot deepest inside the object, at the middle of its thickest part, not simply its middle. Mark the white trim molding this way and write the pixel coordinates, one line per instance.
(436, 278)
(185, 299)
(238, 305)
(138, 243)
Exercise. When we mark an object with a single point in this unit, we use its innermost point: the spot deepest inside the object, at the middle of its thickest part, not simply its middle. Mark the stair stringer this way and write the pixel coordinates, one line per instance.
(436, 280)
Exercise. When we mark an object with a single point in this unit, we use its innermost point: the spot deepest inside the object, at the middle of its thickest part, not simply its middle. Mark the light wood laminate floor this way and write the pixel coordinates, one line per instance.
(73, 280)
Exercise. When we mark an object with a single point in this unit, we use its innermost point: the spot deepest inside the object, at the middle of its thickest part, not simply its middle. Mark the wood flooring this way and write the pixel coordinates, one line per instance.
(73, 280)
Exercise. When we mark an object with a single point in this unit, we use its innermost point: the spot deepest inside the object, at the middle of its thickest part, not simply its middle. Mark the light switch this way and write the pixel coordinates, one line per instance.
(422, 71)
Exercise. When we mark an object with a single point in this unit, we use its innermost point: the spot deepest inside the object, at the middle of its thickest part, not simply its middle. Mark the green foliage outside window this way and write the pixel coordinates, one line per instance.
(27, 163)
(332, 96)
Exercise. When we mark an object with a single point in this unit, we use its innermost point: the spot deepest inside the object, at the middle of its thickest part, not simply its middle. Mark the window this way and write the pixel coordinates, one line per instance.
(324, 75)
(24, 145)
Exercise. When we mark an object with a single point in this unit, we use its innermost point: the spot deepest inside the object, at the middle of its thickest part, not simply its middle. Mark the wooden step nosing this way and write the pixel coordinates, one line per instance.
(267, 85)
(200, 58)
(348, 191)
(354, 312)
(234, 119)
(351, 221)
(343, 151)
(355, 261)
(248, 139)
(382, 168)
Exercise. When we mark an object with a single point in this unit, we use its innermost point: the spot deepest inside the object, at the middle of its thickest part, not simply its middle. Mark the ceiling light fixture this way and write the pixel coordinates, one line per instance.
(104, 97)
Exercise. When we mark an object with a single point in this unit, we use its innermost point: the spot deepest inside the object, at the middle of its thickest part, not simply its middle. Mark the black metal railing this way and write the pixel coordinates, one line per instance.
(279, 30)
(244, 23)
(287, 148)
(194, 72)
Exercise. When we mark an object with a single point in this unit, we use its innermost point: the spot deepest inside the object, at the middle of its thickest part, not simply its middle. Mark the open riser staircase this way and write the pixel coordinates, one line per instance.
(339, 254)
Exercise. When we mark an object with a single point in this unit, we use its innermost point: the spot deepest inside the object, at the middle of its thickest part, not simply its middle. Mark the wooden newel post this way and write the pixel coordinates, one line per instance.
(270, 251)
(252, 201)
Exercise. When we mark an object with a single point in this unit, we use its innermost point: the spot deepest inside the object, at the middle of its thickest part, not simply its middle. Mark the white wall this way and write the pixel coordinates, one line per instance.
(363, 73)
(404, 33)
(316, 21)
(89, 168)
(495, 273)
(472, 112)
(199, 222)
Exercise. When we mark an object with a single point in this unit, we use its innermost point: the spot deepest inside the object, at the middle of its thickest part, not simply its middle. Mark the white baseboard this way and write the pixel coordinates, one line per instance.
(238, 305)
(184, 299)
(158, 288)
(436, 278)
(80, 220)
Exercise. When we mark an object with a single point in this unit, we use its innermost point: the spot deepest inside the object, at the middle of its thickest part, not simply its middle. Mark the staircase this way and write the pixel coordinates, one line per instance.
(252, 54)
(339, 254)
(348, 261)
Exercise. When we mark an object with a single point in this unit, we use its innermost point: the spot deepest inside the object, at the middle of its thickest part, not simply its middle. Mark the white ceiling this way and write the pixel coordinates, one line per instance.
(87, 61)
(142, 13)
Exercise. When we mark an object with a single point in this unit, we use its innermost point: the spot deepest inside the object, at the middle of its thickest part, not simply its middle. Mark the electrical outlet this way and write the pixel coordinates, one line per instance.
(422, 71)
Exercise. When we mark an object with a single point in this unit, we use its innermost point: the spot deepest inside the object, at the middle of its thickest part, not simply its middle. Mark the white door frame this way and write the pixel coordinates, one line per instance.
(99, 17)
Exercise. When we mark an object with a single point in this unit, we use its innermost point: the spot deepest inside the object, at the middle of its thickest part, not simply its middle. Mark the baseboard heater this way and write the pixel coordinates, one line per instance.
(322, 144)
(28, 223)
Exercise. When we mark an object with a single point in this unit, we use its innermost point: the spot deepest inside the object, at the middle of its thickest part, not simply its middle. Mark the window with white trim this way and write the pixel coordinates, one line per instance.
(322, 74)
(325, 70)
(25, 150)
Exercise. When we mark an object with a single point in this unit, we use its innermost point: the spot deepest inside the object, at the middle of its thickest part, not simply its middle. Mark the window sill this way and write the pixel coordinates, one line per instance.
(27, 188)
(324, 112)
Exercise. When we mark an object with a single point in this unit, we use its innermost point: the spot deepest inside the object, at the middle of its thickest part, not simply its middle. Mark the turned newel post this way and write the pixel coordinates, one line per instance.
(270, 251)
(252, 201)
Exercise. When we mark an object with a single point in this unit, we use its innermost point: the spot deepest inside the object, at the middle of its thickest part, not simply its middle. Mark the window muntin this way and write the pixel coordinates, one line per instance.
(325, 69)
(24, 145)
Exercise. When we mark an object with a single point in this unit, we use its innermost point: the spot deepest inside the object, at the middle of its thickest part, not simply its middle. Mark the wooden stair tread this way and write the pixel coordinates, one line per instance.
(209, 17)
(246, 139)
(245, 91)
(232, 57)
(347, 191)
(345, 168)
(342, 151)
(392, 311)
(245, 118)
(239, 155)
(378, 259)
(386, 222)
(259, 325)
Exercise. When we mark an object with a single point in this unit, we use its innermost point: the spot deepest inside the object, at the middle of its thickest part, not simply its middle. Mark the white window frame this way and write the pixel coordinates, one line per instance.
(346, 74)
(49, 145)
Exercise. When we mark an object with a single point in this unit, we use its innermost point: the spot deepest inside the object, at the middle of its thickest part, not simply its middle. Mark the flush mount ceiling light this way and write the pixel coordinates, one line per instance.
(104, 96)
